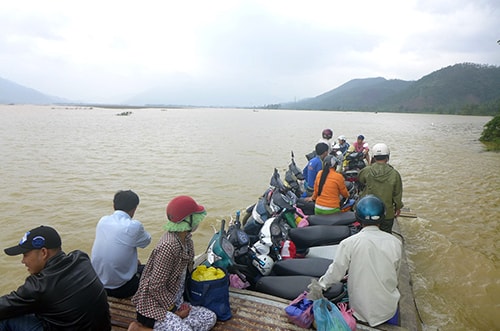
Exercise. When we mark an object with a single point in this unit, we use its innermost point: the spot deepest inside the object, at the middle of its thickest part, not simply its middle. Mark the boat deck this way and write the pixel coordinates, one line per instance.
(258, 311)
(252, 311)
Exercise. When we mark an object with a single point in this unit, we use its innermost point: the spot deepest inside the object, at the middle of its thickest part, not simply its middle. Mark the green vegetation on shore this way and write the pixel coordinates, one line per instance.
(491, 134)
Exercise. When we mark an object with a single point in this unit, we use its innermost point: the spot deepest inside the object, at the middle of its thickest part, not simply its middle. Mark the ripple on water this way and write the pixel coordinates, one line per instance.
(63, 167)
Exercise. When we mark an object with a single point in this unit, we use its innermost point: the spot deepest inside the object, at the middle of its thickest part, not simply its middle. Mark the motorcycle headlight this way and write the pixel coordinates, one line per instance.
(275, 229)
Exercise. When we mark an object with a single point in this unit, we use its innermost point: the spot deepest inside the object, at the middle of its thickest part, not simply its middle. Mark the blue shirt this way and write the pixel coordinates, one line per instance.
(311, 170)
(114, 253)
(344, 147)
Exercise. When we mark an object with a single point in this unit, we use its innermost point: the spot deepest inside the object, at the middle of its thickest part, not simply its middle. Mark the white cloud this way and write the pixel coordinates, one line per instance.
(111, 50)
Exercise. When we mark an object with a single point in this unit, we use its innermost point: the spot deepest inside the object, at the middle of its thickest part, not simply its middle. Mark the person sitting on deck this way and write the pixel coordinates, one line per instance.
(114, 253)
(159, 300)
(62, 291)
(372, 258)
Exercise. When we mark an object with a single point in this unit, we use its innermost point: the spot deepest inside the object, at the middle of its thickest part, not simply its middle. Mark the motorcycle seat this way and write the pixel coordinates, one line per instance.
(289, 287)
(311, 266)
(345, 218)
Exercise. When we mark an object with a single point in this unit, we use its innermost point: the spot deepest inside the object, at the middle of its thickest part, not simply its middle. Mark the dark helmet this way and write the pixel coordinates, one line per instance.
(327, 133)
(370, 210)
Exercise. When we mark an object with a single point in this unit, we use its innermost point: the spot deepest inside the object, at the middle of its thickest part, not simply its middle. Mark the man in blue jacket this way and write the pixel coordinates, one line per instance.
(313, 167)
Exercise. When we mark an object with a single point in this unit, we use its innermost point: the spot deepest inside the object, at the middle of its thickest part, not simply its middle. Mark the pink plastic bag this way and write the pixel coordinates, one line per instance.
(236, 282)
(303, 222)
(347, 314)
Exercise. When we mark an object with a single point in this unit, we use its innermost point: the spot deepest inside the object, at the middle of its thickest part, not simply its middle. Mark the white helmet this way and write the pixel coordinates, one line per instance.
(263, 263)
(381, 149)
(341, 137)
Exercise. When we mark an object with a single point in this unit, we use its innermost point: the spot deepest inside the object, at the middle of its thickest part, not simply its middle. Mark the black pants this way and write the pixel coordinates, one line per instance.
(146, 321)
(129, 288)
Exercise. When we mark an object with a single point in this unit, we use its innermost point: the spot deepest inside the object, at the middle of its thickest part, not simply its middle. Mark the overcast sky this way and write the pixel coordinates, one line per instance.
(248, 51)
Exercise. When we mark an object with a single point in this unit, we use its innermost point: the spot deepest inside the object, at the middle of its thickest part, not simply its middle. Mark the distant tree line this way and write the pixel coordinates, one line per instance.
(487, 108)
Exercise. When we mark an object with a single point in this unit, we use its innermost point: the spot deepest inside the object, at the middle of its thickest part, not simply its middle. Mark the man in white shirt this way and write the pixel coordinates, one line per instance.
(114, 253)
(372, 258)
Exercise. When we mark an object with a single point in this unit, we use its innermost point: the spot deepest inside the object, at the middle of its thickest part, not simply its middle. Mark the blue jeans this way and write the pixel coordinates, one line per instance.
(22, 323)
(394, 320)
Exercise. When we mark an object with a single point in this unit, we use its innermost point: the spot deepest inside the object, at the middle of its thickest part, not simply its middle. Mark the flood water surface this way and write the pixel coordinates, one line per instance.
(61, 167)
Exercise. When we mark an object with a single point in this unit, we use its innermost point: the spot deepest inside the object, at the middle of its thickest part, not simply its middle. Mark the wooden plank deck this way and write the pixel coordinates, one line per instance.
(251, 311)
(122, 313)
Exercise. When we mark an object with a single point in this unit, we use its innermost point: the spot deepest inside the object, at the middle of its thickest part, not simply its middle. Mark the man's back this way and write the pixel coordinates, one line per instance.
(373, 258)
(114, 253)
(311, 170)
(383, 181)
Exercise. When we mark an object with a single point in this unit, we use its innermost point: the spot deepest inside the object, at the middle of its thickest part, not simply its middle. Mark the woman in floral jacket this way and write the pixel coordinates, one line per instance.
(159, 300)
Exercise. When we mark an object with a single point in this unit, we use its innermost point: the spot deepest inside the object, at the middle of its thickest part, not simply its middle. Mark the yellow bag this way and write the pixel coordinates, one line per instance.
(202, 273)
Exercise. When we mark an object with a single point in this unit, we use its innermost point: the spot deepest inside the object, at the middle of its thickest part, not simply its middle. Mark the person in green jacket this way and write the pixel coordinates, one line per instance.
(383, 181)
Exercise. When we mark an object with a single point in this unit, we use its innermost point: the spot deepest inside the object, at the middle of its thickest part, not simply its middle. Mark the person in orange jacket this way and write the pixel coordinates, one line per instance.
(328, 187)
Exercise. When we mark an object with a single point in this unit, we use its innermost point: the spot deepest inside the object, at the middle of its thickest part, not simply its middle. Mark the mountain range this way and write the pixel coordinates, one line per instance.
(12, 93)
(466, 88)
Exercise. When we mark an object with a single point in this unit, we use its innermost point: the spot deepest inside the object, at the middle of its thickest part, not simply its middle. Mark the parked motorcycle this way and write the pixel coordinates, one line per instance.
(276, 200)
(265, 229)
(353, 163)
(267, 273)
(294, 178)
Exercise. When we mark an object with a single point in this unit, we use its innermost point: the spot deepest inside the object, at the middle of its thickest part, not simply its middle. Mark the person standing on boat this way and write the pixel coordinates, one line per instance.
(114, 253)
(313, 167)
(159, 300)
(328, 187)
(372, 259)
(62, 291)
(382, 180)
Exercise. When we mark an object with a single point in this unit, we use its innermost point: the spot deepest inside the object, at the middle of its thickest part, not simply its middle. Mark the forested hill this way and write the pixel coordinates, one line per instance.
(467, 88)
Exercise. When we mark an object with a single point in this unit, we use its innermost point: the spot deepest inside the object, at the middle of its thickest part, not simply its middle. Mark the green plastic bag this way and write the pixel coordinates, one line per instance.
(328, 317)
